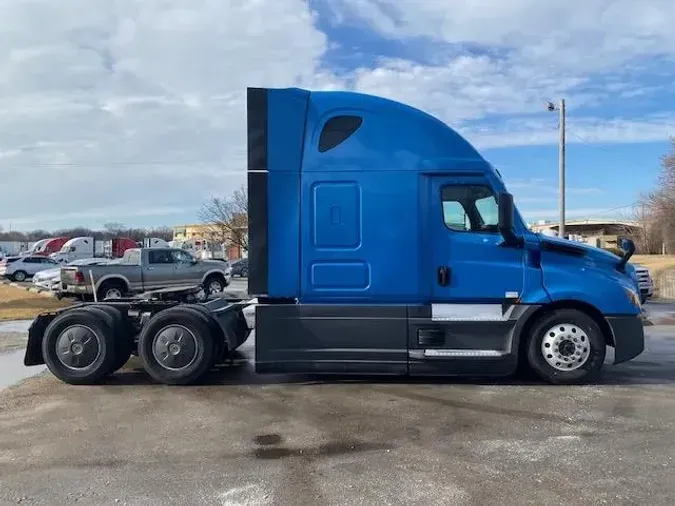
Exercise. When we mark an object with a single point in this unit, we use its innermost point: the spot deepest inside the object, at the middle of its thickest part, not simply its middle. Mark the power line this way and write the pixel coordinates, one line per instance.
(119, 164)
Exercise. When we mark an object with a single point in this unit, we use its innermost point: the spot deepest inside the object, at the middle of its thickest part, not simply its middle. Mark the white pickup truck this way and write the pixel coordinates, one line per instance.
(144, 269)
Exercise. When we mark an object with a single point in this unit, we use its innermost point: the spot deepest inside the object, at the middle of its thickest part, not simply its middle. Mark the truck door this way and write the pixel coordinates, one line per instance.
(472, 279)
(467, 262)
(160, 269)
(187, 272)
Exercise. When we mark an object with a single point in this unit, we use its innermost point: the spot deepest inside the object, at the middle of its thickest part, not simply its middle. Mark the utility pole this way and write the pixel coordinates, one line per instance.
(561, 168)
(561, 163)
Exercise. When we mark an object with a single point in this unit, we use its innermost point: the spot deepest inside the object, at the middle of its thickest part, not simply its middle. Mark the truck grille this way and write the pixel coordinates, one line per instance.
(643, 277)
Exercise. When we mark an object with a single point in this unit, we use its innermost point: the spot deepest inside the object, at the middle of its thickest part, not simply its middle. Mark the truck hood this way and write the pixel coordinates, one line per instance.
(563, 246)
(600, 258)
(216, 264)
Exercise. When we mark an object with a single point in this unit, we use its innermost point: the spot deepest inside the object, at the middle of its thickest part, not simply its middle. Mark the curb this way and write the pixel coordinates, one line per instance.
(44, 292)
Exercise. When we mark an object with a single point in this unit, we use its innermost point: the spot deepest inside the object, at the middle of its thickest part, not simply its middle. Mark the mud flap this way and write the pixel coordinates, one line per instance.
(629, 337)
(34, 347)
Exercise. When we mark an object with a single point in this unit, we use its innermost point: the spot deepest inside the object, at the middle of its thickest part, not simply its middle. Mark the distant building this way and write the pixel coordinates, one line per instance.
(203, 236)
(599, 233)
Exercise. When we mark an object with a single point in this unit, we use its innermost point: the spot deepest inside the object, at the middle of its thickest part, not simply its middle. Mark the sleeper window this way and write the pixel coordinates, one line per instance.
(469, 208)
(337, 130)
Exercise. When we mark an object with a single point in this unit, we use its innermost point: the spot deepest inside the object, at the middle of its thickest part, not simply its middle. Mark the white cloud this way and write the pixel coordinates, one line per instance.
(129, 105)
(518, 55)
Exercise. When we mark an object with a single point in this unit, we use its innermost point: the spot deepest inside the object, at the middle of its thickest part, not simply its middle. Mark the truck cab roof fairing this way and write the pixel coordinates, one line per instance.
(392, 136)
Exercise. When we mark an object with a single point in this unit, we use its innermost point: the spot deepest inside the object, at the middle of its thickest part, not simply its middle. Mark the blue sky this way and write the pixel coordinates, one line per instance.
(133, 111)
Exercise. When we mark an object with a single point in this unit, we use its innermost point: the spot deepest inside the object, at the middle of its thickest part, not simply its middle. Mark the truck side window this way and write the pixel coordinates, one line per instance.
(181, 257)
(159, 256)
(337, 130)
(470, 208)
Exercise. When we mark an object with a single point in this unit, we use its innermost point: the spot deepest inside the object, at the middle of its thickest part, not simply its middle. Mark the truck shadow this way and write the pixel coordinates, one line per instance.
(240, 371)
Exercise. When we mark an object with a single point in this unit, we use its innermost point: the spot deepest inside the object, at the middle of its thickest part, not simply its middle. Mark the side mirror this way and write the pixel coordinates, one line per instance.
(506, 217)
(628, 248)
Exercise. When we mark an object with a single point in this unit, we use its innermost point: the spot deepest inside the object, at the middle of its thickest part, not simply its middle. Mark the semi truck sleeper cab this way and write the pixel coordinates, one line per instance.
(382, 242)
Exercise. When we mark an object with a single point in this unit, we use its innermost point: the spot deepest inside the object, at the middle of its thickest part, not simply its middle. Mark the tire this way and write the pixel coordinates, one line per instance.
(93, 331)
(20, 276)
(643, 298)
(212, 280)
(124, 344)
(220, 345)
(111, 290)
(570, 362)
(192, 359)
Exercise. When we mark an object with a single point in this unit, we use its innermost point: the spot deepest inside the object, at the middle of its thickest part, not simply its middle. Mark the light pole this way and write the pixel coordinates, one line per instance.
(561, 163)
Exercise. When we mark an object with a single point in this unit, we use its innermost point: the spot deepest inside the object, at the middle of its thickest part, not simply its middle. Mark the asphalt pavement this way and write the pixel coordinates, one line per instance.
(245, 439)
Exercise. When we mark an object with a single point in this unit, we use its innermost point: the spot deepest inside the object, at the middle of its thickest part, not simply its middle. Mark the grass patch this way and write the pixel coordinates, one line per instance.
(19, 304)
(655, 263)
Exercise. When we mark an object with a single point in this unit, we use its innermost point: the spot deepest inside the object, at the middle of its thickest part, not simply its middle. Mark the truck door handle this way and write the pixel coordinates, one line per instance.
(443, 275)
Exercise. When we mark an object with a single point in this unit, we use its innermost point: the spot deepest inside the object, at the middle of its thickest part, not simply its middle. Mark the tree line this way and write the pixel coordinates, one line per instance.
(656, 210)
(109, 231)
(226, 219)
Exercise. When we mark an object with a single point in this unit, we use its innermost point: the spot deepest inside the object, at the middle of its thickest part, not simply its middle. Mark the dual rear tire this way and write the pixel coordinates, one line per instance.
(84, 345)
(177, 346)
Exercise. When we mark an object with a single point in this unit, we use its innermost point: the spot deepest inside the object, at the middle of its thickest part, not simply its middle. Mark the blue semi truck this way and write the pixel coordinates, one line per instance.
(380, 242)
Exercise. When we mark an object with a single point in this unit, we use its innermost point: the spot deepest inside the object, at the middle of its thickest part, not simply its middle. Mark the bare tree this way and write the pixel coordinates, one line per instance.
(660, 204)
(114, 229)
(226, 219)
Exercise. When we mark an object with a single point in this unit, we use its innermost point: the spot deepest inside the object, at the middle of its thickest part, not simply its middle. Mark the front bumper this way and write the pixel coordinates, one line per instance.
(628, 336)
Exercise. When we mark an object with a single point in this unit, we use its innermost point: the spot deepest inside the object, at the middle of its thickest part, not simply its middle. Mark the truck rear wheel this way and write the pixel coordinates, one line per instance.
(111, 290)
(220, 345)
(215, 284)
(566, 347)
(78, 346)
(177, 346)
(123, 335)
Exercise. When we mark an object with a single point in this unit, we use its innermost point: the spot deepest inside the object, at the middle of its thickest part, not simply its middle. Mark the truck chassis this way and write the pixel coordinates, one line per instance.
(178, 337)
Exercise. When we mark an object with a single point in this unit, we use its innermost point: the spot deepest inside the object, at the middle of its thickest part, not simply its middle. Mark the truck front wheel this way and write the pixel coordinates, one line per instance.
(176, 346)
(566, 347)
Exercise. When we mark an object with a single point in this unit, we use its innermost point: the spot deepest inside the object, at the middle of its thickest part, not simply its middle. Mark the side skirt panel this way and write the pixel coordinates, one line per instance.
(394, 340)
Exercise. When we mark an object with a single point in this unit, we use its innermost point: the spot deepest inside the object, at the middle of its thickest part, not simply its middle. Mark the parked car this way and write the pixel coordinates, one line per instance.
(21, 268)
(144, 269)
(240, 268)
(51, 278)
(645, 283)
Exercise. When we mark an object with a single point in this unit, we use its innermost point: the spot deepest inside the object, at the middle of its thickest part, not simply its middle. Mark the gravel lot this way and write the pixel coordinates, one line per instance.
(244, 439)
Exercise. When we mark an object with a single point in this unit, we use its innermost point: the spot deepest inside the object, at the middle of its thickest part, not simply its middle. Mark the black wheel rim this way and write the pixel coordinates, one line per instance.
(175, 347)
(77, 347)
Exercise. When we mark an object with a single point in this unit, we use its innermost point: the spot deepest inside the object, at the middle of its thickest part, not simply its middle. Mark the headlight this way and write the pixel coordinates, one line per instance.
(633, 297)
